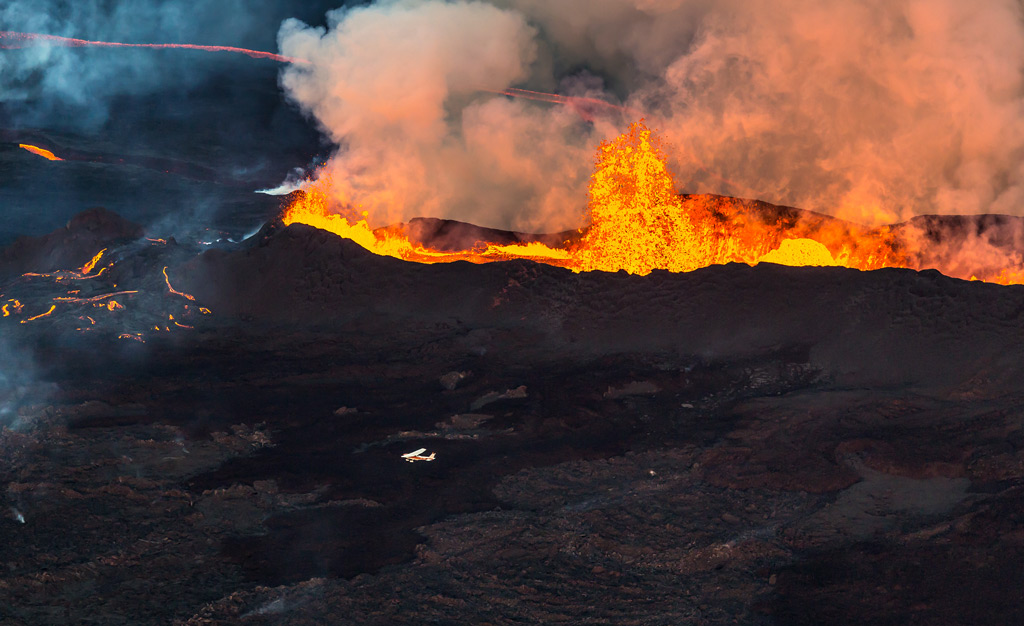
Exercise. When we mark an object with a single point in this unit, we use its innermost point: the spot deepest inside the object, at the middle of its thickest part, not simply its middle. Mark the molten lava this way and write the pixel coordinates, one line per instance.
(91, 263)
(637, 222)
(174, 291)
(313, 208)
(46, 154)
(800, 252)
(97, 305)
(94, 299)
(35, 317)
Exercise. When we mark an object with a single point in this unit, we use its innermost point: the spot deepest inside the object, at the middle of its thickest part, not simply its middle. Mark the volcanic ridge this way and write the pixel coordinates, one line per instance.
(735, 444)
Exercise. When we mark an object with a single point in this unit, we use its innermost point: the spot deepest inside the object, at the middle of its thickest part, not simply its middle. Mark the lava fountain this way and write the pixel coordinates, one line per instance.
(638, 223)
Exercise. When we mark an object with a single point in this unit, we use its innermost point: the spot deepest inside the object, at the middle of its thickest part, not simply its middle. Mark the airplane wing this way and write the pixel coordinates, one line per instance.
(414, 453)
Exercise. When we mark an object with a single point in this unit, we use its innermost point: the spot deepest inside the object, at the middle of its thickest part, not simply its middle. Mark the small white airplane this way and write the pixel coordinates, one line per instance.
(417, 455)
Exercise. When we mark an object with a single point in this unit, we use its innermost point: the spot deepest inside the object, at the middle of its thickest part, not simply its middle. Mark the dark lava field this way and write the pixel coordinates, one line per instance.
(736, 445)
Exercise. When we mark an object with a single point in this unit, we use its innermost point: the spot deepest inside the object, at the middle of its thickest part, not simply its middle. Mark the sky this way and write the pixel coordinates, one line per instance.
(874, 111)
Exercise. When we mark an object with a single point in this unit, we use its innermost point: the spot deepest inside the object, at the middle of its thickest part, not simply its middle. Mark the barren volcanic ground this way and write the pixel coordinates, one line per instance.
(751, 445)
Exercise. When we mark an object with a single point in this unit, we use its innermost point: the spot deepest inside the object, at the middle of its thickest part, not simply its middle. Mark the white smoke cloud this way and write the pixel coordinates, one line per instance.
(873, 111)
(403, 87)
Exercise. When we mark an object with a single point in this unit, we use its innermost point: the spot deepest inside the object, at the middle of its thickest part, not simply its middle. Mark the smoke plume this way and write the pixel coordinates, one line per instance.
(874, 111)
(404, 88)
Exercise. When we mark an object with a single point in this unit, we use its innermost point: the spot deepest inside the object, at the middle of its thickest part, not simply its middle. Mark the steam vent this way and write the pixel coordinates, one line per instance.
(478, 312)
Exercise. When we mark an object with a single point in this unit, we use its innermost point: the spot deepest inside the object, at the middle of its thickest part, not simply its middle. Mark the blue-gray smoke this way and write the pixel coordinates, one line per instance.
(81, 88)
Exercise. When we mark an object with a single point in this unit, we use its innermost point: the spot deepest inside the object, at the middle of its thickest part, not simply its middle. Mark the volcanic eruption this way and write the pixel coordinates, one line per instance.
(672, 303)
(636, 221)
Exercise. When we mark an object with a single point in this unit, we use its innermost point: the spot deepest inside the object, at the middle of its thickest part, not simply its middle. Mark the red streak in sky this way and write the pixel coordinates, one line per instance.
(10, 39)
(585, 107)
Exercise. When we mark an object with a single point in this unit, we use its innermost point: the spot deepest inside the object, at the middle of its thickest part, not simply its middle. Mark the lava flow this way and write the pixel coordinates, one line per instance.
(638, 223)
(312, 207)
(91, 300)
(46, 154)
(174, 291)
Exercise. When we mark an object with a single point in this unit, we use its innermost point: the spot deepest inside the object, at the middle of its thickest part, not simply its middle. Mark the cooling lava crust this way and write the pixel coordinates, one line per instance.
(754, 445)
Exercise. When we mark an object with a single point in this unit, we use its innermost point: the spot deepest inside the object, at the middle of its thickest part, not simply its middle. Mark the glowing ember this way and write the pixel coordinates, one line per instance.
(11, 39)
(46, 154)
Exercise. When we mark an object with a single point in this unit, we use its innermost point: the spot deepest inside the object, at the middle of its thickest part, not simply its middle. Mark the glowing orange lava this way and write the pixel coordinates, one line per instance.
(35, 317)
(94, 298)
(637, 222)
(170, 318)
(46, 154)
(73, 301)
(313, 208)
(91, 263)
(800, 252)
(170, 289)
